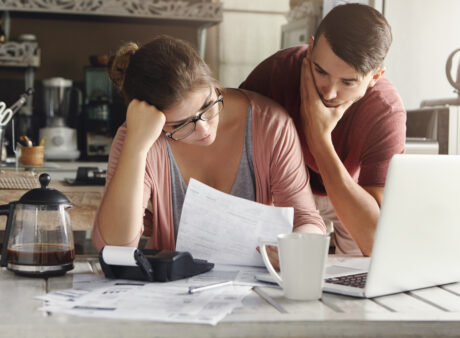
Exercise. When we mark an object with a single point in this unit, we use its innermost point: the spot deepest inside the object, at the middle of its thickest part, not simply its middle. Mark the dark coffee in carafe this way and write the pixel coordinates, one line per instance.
(43, 254)
(41, 260)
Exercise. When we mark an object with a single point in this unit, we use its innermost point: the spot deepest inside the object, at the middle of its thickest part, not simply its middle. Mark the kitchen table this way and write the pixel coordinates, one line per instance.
(428, 312)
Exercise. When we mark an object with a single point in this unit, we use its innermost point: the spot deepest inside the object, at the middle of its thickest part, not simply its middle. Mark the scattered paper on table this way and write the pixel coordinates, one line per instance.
(93, 296)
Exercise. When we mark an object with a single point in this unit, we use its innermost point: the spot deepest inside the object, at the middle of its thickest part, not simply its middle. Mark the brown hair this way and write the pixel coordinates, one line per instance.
(160, 72)
(358, 34)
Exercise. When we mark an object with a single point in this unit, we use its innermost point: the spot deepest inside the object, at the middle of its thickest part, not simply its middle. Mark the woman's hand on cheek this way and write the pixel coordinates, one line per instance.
(144, 122)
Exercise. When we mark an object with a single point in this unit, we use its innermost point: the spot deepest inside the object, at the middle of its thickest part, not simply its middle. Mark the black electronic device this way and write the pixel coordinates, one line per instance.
(88, 176)
(154, 266)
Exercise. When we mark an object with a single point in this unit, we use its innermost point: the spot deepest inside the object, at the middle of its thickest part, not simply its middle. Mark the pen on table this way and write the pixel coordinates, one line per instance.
(193, 289)
(42, 142)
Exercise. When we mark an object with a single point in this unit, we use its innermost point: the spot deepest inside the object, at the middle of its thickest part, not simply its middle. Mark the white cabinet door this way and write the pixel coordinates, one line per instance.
(454, 128)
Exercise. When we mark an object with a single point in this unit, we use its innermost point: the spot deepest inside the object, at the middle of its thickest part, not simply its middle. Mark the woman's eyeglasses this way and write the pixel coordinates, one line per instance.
(188, 127)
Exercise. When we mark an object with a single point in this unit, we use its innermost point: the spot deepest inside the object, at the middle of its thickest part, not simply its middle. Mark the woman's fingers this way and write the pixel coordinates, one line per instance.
(272, 252)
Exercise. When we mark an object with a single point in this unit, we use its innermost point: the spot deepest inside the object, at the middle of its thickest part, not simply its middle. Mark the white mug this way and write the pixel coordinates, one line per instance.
(302, 262)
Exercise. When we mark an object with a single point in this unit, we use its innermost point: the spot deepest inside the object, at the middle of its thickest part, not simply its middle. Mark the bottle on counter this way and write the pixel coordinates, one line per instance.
(2, 33)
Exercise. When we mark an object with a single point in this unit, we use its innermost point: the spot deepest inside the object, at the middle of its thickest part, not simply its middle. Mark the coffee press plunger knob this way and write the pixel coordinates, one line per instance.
(44, 179)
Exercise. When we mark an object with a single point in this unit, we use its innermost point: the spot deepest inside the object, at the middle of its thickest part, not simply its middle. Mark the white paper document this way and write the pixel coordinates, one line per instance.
(226, 229)
(95, 296)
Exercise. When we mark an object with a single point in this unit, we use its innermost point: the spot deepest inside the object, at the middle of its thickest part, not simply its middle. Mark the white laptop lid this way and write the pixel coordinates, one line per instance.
(417, 243)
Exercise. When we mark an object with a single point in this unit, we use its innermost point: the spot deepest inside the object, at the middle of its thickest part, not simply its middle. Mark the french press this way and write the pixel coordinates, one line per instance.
(38, 237)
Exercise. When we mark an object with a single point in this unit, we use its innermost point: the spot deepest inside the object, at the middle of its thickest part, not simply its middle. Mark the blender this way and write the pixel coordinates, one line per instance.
(60, 139)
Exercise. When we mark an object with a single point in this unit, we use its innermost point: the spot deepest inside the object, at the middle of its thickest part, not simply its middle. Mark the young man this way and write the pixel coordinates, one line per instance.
(350, 119)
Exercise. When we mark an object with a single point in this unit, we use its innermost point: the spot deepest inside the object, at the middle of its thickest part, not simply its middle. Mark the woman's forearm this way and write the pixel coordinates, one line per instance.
(120, 214)
(309, 228)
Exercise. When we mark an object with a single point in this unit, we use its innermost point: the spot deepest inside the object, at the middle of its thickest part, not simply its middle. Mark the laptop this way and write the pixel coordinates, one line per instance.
(417, 241)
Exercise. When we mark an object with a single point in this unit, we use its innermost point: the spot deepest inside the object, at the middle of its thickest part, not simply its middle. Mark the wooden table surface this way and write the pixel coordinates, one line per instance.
(85, 201)
(431, 312)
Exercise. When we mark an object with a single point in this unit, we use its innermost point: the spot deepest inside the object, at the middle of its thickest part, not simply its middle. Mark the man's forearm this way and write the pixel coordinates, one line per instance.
(357, 210)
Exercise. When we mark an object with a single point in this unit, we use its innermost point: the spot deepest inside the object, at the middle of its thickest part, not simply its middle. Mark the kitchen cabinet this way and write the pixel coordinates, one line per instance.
(433, 130)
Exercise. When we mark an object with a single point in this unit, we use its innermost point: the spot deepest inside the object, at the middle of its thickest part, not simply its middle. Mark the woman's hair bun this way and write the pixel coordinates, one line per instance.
(119, 62)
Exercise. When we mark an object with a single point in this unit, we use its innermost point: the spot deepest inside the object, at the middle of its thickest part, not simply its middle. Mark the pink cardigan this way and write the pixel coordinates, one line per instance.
(280, 174)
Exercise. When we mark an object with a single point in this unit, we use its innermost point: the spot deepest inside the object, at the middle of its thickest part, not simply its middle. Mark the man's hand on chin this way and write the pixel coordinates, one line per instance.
(317, 119)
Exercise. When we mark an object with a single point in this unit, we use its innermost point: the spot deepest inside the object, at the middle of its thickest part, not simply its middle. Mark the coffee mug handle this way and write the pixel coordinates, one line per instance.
(268, 264)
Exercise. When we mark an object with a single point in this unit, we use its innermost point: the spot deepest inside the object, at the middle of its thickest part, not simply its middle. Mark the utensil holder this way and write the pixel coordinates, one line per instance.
(32, 156)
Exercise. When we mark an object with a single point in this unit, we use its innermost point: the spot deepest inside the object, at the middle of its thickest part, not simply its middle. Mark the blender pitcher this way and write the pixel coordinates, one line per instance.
(60, 138)
(38, 236)
(56, 99)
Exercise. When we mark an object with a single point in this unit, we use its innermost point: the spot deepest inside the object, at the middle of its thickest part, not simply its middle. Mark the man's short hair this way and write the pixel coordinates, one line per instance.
(358, 34)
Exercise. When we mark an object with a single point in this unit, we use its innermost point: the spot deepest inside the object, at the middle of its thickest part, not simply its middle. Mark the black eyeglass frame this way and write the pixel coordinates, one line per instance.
(199, 117)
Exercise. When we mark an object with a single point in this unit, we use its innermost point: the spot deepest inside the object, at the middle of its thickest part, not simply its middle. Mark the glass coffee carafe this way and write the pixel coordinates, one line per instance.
(38, 236)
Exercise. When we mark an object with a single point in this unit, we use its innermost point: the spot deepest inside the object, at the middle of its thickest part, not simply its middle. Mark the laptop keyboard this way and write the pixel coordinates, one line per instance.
(357, 281)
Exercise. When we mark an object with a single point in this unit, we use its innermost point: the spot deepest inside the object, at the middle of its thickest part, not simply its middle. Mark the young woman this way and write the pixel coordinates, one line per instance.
(181, 124)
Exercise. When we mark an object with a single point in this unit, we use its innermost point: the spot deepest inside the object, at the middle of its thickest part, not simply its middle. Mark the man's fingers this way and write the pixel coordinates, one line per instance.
(303, 75)
(344, 107)
(306, 75)
(308, 86)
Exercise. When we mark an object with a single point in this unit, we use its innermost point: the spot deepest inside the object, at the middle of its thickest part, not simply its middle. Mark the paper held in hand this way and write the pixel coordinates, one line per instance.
(226, 229)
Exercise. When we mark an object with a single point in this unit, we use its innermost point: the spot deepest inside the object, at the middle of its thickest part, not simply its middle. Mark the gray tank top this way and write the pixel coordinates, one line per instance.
(243, 187)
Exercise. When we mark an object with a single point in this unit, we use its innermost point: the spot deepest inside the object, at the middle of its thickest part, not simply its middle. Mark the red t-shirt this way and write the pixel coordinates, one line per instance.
(370, 132)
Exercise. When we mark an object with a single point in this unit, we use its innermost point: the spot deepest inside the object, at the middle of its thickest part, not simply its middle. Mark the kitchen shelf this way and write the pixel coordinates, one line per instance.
(200, 11)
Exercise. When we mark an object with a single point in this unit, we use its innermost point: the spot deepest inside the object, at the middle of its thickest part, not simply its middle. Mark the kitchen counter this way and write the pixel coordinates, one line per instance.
(85, 201)
(58, 170)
